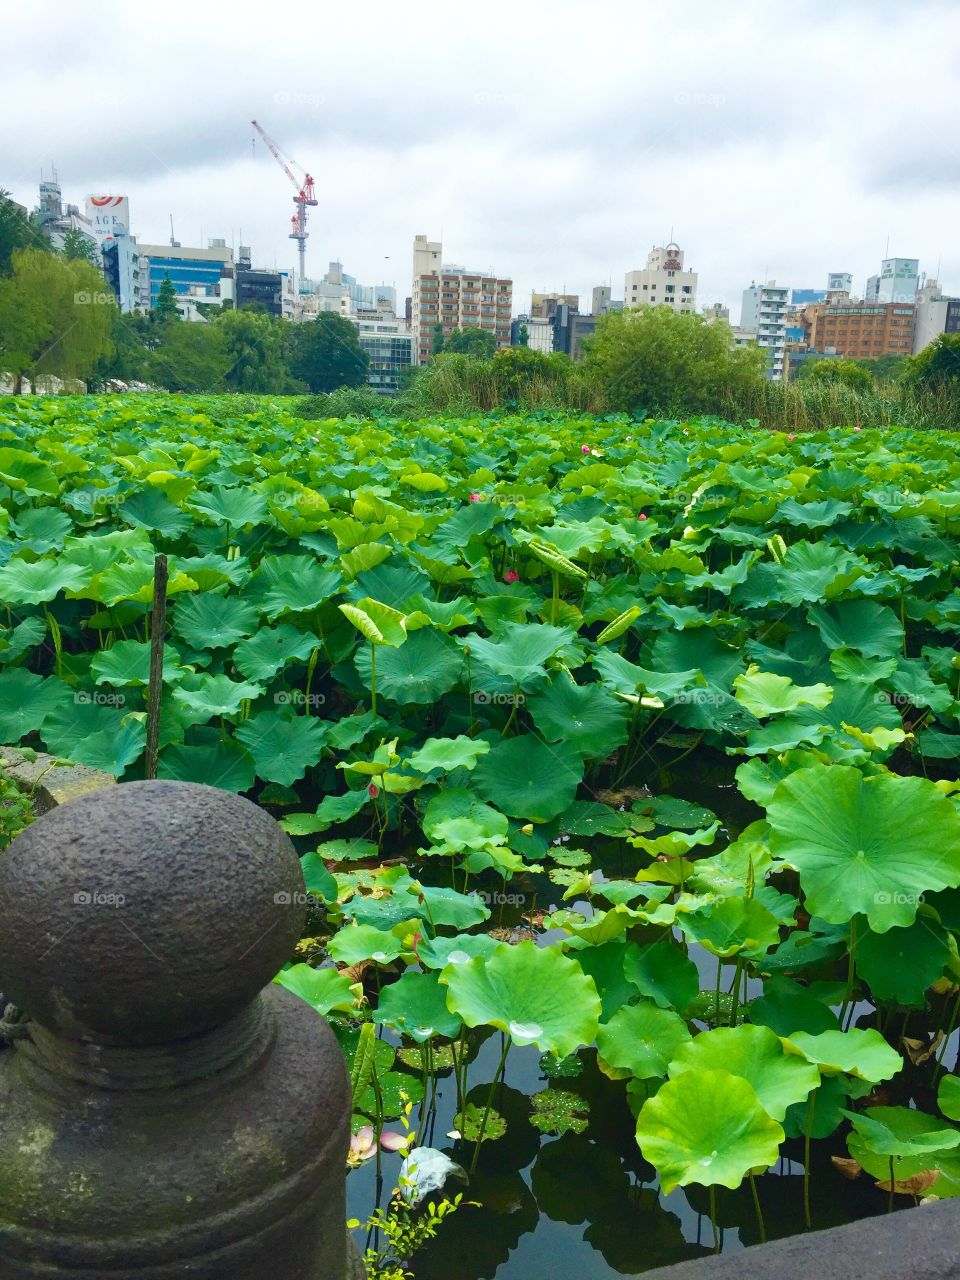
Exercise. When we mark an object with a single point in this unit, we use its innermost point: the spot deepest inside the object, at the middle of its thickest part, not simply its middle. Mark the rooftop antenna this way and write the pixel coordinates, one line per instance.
(887, 253)
(173, 241)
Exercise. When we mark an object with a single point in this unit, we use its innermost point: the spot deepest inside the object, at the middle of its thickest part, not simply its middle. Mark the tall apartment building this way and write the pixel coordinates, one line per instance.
(898, 281)
(663, 281)
(764, 310)
(455, 298)
(389, 344)
(856, 330)
(936, 313)
(193, 272)
(543, 306)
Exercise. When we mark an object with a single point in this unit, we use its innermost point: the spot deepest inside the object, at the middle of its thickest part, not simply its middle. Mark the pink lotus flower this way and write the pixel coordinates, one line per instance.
(363, 1146)
(584, 448)
(511, 576)
(791, 436)
(474, 497)
(858, 428)
(373, 790)
(315, 439)
(391, 1141)
(642, 515)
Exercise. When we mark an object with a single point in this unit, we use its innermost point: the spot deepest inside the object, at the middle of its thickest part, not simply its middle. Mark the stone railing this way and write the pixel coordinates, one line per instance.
(165, 1110)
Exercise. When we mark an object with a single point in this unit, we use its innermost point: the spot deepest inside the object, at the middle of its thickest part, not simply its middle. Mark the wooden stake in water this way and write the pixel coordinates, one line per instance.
(158, 624)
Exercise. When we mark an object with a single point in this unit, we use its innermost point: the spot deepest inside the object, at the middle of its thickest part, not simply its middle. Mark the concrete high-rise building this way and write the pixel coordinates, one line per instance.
(844, 326)
(196, 273)
(543, 306)
(764, 310)
(717, 311)
(936, 313)
(839, 280)
(662, 282)
(56, 220)
(898, 281)
(454, 297)
(389, 344)
(601, 303)
(539, 333)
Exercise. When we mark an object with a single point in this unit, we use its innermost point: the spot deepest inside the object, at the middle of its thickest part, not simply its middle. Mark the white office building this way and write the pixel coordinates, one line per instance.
(898, 281)
(662, 282)
(764, 310)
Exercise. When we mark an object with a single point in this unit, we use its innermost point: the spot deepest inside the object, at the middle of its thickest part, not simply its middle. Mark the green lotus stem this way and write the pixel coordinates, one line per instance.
(735, 1007)
(761, 1225)
(890, 1196)
(373, 678)
(513, 710)
(556, 596)
(486, 1111)
(716, 1002)
(473, 723)
(713, 1217)
(852, 947)
(807, 1134)
(311, 668)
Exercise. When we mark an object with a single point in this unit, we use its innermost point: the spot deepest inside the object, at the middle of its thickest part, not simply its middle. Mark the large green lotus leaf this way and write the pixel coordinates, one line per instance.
(592, 818)
(376, 622)
(77, 717)
(627, 677)
(43, 528)
(786, 1007)
(865, 1055)
(765, 694)
(26, 700)
(707, 1127)
(232, 507)
(128, 662)
(394, 1091)
(283, 746)
(21, 639)
(640, 1040)
(907, 1124)
(322, 989)
(213, 570)
(132, 581)
(329, 812)
(901, 964)
(817, 571)
(416, 1006)
(535, 995)
(210, 621)
(822, 1113)
(605, 964)
(437, 953)
(393, 582)
(812, 515)
(519, 650)
(732, 926)
(317, 879)
(854, 668)
(455, 818)
(680, 651)
(269, 651)
(444, 615)
(112, 751)
(873, 629)
(149, 509)
(670, 811)
(364, 942)
(865, 846)
(948, 1097)
(24, 583)
(528, 778)
(663, 973)
(224, 764)
(420, 671)
(586, 717)
(882, 1137)
(448, 754)
(441, 905)
(756, 1054)
(215, 696)
(294, 590)
(27, 473)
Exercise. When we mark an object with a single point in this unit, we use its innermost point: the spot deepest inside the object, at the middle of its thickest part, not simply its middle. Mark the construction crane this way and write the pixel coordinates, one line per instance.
(305, 196)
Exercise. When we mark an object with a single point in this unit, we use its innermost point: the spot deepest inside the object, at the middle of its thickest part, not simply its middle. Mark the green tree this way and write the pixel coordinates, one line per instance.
(16, 232)
(847, 372)
(523, 336)
(165, 307)
(884, 368)
(189, 357)
(438, 339)
(658, 359)
(133, 339)
(326, 354)
(472, 341)
(56, 317)
(936, 367)
(256, 346)
(80, 248)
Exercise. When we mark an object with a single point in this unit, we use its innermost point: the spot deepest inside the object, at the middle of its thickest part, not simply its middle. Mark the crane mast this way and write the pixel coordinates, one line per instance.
(305, 197)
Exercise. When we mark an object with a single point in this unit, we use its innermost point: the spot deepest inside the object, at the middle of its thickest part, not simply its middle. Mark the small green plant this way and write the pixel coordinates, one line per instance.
(405, 1230)
(15, 809)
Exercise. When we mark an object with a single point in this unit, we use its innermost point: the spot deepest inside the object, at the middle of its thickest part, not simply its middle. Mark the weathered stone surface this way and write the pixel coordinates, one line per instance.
(147, 912)
(169, 1112)
(913, 1244)
(51, 781)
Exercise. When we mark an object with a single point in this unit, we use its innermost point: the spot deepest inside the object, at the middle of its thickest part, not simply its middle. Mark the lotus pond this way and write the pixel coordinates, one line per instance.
(622, 760)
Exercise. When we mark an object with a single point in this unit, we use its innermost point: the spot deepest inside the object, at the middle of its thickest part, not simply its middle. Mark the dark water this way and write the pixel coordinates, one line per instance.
(585, 1207)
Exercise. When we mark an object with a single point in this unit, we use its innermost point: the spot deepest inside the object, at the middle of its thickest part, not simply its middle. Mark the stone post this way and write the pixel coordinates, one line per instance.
(165, 1111)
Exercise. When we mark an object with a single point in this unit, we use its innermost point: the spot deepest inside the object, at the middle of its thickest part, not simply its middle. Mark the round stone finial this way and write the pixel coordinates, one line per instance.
(146, 912)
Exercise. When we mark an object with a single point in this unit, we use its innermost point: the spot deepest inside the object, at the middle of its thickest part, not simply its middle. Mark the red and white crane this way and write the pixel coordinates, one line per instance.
(305, 196)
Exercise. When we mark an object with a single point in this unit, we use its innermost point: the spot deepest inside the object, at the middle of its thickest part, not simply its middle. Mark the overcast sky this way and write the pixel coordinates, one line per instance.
(555, 142)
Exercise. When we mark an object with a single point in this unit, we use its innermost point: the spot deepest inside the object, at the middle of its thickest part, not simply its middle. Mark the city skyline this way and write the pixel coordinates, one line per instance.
(556, 153)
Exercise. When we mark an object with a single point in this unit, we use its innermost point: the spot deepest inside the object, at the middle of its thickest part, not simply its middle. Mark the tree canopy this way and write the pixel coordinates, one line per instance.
(936, 366)
(326, 354)
(471, 341)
